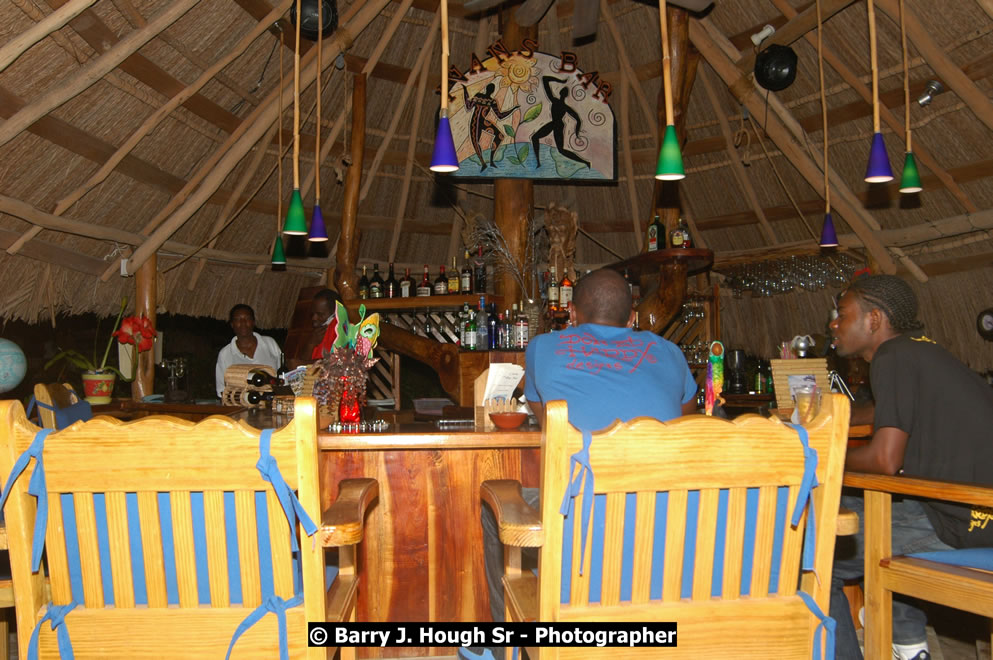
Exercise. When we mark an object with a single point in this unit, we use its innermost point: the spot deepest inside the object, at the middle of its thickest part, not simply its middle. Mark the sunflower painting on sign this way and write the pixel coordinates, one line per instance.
(531, 115)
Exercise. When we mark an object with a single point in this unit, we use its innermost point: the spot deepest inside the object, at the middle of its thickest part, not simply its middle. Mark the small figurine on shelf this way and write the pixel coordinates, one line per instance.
(715, 377)
(342, 373)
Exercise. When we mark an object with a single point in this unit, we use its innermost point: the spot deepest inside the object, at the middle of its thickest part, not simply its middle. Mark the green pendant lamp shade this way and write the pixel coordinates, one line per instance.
(318, 233)
(910, 182)
(296, 221)
(670, 165)
(278, 254)
(829, 238)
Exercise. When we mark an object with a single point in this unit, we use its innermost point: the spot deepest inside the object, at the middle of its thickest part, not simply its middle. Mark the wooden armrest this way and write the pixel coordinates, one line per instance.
(343, 522)
(519, 524)
(938, 490)
(848, 522)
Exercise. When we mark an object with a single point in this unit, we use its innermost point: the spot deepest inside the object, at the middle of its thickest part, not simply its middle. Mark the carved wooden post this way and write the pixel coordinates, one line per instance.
(145, 285)
(513, 199)
(348, 243)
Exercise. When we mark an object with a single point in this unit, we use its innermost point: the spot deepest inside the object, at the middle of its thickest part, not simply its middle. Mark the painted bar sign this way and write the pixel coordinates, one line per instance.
(531, 115)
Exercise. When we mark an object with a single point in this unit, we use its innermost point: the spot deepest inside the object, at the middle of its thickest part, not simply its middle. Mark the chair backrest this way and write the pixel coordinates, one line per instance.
(59, 405)
(160, 531)
(691, 522)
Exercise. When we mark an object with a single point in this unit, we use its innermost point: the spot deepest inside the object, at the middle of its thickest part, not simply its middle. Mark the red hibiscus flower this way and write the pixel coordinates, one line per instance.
(136, 330)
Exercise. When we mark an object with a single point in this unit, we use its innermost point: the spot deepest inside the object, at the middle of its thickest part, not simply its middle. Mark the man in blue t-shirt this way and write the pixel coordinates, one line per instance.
(605, 372)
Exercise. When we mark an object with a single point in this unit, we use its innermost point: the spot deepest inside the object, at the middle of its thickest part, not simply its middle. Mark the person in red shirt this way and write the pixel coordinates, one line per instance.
(322, 315)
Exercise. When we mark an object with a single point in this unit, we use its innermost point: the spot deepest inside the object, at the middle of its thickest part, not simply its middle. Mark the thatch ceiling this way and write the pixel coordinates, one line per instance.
(100, 93)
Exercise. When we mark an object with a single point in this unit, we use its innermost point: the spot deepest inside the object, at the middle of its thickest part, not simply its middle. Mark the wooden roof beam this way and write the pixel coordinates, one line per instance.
(718, 51)
(25, 40)
(50, 253)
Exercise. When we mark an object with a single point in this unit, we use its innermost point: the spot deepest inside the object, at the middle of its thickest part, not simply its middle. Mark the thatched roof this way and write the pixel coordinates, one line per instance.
(95, 94)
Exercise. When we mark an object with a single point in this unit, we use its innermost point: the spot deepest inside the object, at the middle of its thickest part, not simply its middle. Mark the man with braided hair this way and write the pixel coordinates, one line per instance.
(933, 419)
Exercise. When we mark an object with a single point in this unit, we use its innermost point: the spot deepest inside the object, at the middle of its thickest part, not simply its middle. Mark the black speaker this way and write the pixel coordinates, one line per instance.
(309, 24)
(775, 67)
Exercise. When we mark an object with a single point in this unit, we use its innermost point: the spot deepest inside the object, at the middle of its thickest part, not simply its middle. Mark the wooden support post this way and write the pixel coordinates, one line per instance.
(513, 199)
(348, 244)
(145, 285)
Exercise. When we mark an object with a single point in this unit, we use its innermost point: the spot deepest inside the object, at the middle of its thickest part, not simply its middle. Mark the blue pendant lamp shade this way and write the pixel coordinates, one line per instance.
(444, 159)
(879, 170)
(910, 182)
(296, 221)
(278, 254)
(829, 238)
(670, 164)
(318, 233)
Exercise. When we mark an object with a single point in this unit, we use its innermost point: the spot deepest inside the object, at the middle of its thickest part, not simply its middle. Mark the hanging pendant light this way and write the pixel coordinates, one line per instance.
(278, 253)
(296, 221)
(829, 238)
(910, 182)
(318, 233)
(444, 159)
(878, 170)
(670, 163)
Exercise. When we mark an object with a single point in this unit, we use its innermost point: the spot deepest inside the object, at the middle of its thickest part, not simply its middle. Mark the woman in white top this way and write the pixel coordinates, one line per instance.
(247, 347)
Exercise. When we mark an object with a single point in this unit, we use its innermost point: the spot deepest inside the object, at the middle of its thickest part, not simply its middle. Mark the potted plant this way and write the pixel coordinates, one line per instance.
(99, 378)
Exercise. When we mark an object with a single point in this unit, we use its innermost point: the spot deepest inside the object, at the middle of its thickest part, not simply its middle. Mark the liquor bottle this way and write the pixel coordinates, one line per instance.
(565, 291)
(505, 322)
(656, 234)
(680, 236)
(482, 326)
(364, 284)
(465, 278)
(391, 288)
(553, 291)
(464, 315)
(406, 284)
(424, 288)
(376, 283)
(635, 326)
(479, 273)
(493, 328)
(254, 397)
(469, 330)
(441, 283)
(453, 278)
(521, 331)
(261, 379)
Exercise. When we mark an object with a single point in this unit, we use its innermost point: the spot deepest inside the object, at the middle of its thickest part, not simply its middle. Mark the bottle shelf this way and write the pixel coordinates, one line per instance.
(449, 301)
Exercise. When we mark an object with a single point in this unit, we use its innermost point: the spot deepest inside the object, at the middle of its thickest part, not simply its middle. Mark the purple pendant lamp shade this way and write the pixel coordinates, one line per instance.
(878, 170)
(444, 159)
(318, 233)
(829, 238)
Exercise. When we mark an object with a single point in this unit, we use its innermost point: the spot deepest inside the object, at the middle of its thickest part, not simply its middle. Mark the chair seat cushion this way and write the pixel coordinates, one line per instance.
(979, 558)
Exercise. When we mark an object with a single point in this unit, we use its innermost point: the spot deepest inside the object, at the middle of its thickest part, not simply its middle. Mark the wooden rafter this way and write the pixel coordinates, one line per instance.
(16, 46)
(214, 172)
(722, 55)
(626, 66)
(735, 160)
(625, 125)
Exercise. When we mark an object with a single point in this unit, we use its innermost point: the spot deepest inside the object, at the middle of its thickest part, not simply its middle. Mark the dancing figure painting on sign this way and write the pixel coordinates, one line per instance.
(480, 105)
(557, 124)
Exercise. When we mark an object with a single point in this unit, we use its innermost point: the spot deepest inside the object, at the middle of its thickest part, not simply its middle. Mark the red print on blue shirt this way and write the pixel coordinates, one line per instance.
(587, 353)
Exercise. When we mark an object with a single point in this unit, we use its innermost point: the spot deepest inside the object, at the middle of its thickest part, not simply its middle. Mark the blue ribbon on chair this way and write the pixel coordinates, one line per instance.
(277, 606)
(827, 625)
(292, 507)
(37, 488)
(57, 615)
(580, 459)
(807, 484)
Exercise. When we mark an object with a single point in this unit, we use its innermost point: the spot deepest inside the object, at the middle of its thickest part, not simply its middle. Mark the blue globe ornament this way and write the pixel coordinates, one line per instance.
(13, 365)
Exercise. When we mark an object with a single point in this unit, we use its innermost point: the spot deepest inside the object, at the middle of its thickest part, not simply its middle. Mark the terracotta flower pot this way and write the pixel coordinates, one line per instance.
(98, 386)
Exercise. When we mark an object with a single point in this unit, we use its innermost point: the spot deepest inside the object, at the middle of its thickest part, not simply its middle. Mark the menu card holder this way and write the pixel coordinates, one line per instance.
(495, 394)
(789, 375)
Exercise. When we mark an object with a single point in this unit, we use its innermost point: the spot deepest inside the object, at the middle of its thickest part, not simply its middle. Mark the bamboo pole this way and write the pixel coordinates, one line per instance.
(824, 122)
(92, 72)
(401, 102)
(408, 168)
(236, 148)
(736, 166)
(25, 40)
(296, 100)
(852, 79)
(782, 128)
(874, 65)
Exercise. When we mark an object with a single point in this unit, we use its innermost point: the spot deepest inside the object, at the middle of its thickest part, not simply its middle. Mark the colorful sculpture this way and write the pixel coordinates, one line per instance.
(715, 377)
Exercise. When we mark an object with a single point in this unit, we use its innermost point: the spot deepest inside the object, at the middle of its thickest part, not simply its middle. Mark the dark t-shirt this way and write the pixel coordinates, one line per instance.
(947, 412)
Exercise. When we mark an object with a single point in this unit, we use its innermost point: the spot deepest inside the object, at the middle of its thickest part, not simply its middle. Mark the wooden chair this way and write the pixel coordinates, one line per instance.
(690, 523)
(163, 539)
(954, 584)
(51, 396)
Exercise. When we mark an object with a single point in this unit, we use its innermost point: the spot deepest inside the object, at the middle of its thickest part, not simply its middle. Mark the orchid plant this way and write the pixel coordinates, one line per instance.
(134, 330)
